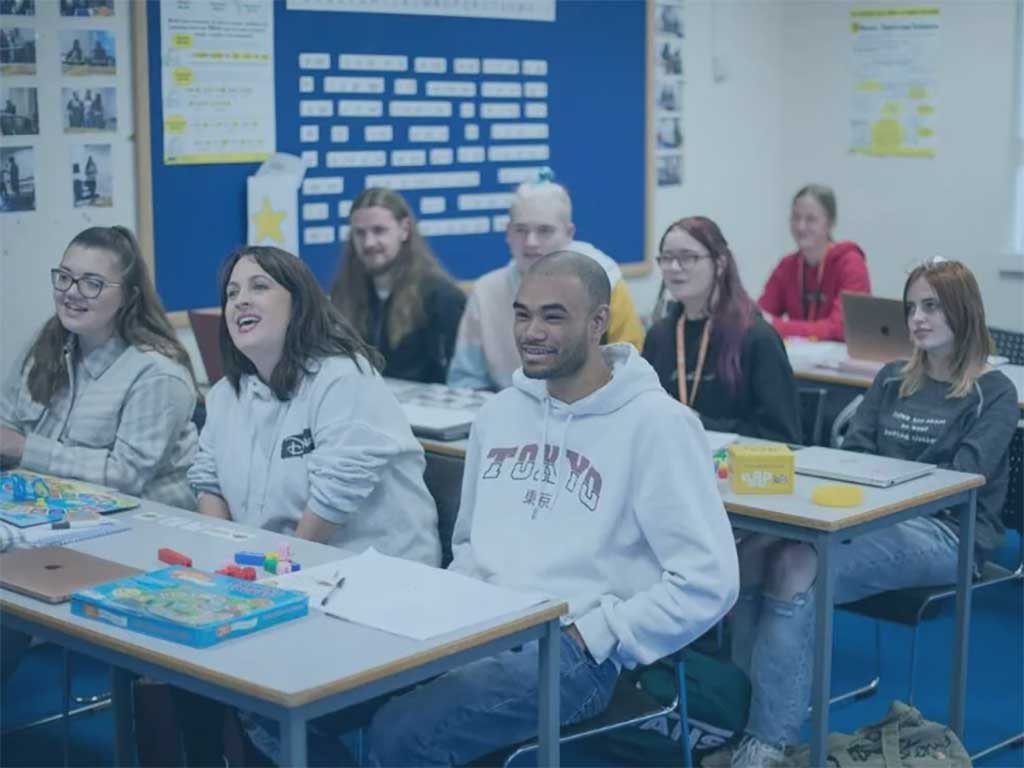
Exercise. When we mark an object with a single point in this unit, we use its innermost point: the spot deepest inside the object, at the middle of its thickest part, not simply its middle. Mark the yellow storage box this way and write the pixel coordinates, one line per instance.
(756, 468)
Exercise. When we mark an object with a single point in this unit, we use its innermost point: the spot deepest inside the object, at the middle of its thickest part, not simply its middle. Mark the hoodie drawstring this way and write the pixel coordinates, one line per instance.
(539, 477)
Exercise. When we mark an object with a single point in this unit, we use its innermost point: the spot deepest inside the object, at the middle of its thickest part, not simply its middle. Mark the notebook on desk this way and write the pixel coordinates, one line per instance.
(52, 574)
(860, 468)
(438, 423)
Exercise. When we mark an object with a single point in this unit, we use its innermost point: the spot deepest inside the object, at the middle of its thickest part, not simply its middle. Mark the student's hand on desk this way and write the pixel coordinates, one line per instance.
(12, 446)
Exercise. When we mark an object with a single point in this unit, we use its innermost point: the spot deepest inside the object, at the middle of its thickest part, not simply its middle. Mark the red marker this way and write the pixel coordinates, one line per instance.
(171, 557)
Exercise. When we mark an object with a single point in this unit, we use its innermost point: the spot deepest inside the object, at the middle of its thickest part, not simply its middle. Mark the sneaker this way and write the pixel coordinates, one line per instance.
(754, 753)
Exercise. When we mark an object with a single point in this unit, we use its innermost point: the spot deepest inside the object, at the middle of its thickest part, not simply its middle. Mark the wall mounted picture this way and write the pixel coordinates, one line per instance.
(17, 179)
(92, 176)
(19, 111)
(87, 52)
(89, 110)
(669, 95)
(670, 170)
(17, 51)
(86, 7)
(17, 7)
(670, 133)
(670, 58)
(670, 20)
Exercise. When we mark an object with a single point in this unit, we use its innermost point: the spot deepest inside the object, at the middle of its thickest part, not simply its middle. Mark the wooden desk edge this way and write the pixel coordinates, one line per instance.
(300, 698)
(445, 449)
(739, 508)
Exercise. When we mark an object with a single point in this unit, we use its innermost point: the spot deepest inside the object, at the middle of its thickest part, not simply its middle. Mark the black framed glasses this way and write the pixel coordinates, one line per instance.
(686, 259)
(90, 286)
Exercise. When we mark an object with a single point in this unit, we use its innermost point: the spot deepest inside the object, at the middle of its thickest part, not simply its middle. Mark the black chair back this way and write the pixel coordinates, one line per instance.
(1009, 344)
(812, 414)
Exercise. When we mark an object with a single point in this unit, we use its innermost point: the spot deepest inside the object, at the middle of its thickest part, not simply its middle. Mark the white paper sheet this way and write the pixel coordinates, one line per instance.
(404, 597)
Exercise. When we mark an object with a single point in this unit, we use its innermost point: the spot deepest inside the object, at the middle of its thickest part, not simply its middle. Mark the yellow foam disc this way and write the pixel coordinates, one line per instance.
(838, 495)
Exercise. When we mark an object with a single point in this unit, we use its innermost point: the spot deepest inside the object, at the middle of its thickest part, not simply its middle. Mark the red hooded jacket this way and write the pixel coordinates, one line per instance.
(845, 269)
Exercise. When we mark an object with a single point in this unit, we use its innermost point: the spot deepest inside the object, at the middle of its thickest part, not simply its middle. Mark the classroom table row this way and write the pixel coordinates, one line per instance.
(342, 664)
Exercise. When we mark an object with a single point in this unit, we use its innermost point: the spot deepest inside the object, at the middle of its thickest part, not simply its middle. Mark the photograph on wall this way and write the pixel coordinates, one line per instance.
(670, 58)
(17, 179)
(87, 52)
(19, 115)
(17, 7)
(670, 133)
(669, 170)
(92, 176)
(86, 7)
(669, 95)
(17, 51)
(89, 110)
(669, 19)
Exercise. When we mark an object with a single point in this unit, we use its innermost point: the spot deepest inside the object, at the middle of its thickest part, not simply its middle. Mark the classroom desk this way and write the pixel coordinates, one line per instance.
(794, 516)
(331, 664)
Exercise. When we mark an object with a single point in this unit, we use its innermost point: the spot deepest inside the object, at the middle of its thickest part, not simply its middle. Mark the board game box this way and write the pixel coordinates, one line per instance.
(29, 498)
(189, 606)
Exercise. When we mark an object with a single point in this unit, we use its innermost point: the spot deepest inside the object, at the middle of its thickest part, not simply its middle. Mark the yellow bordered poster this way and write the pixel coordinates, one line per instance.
(895, 57)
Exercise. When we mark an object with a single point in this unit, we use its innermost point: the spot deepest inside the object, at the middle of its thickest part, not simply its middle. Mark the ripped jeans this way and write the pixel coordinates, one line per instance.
(773, 639)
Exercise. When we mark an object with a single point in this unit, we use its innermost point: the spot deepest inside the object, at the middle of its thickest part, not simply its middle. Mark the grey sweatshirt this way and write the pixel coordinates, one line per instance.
(967, 434)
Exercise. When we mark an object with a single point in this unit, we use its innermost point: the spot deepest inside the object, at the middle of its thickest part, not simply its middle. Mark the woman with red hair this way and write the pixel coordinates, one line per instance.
(713, 350)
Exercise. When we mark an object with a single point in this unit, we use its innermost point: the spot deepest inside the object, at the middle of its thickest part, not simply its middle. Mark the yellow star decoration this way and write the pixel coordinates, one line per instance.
(268, 223)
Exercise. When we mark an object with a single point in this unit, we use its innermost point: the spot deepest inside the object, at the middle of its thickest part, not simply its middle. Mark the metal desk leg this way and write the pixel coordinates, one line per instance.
(548, 718)
(293, 740)
(964, 575)
(121, 697)
(824, 592)
(65, 706)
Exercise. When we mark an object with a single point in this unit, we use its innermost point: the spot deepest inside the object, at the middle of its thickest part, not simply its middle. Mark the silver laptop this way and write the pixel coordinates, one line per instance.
(876, 329)
(860, 468)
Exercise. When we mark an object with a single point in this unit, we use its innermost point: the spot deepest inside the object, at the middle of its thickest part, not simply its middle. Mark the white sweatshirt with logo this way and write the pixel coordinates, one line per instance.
(609, 503)
(341, 446)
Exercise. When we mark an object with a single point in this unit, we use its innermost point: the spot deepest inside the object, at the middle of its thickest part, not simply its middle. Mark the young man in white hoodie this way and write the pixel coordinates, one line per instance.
(587, 481)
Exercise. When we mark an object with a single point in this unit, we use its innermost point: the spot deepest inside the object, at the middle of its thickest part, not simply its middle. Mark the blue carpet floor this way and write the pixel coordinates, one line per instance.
(995, 705)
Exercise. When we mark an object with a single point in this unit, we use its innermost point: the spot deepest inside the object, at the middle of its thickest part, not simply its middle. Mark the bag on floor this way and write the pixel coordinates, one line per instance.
(718, 697)
(902, 739)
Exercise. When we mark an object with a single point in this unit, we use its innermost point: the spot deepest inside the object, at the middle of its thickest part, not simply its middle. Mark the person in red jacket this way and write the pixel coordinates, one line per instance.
(801, 297)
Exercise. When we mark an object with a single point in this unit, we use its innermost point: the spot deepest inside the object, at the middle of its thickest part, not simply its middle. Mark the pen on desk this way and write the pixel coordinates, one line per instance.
(330, 593)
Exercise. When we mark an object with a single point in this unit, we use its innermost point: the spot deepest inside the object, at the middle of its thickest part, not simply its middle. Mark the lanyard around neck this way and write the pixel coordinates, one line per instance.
(816, 302)
(681, 360)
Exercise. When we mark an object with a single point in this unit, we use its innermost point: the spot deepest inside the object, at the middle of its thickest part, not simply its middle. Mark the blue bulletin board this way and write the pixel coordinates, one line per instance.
(454, 110)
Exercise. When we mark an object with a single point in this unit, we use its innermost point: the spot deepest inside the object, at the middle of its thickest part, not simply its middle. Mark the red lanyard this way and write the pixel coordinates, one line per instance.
(681, 360)
(808, 315)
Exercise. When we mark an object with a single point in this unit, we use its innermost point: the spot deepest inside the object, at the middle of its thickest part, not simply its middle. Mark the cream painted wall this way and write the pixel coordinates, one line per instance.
(778, 120)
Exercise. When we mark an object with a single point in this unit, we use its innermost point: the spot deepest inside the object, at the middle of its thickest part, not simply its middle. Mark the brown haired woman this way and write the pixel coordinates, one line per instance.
(105, 393)
(947, 407)
(392, 289)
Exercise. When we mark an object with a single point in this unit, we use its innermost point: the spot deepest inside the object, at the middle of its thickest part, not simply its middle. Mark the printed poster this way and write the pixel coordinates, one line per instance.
(218, 81)
(895, 54)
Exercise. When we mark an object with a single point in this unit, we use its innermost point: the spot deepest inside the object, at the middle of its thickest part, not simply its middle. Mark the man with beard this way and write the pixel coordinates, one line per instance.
(393, 290)
(586, 481)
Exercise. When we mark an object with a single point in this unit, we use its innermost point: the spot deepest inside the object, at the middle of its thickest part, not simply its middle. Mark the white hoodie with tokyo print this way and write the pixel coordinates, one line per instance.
(609, 503)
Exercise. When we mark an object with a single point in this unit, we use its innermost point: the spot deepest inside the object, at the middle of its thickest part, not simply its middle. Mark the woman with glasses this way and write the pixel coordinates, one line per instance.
(105, 392)
(945, 406)
(713, 350)
(801, 298)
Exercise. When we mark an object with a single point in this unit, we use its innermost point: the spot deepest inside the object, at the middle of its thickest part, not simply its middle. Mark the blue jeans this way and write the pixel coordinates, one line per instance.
(773, 639)
(485, 706)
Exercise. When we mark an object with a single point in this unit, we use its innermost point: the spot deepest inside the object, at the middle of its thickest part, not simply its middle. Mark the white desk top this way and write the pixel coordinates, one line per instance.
(798, 509)
(292, 663)
(816, 361)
